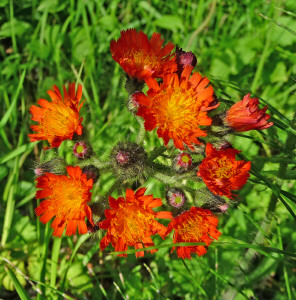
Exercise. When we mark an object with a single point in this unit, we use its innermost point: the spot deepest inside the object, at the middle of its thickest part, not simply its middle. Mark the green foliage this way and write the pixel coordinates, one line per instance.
(242, 47)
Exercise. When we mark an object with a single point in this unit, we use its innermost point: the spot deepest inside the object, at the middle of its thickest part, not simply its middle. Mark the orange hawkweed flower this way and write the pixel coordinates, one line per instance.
(177, 107)
(142, 58)
(221, 172)
(196, 225)
(58, 119)
(131, 222)
(245, 115)
(66, 199)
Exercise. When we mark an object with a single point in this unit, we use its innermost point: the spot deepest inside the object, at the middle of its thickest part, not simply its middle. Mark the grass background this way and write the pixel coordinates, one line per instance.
(241, 46)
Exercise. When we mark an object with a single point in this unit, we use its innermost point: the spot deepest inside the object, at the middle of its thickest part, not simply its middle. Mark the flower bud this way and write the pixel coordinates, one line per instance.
(184, 59)
(128, 160)
(175, 197)
(214, 203)
(132, 104)
(133, 84)
(91, 172)
(183, 162)
(55, 166)
(82, 150)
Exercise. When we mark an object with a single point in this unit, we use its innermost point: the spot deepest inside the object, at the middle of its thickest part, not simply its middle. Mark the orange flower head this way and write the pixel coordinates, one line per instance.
(196, 225)
(131, 222)
(245, 115)
(142, 58)
(178, 106)
(221, 172)
(66, 200)
(58, 119)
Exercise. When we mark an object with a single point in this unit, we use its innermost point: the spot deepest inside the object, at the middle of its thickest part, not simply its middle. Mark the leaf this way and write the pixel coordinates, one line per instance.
(279, 73)
(109, 22)
(19, 28)
(170, 22)
(52, 6)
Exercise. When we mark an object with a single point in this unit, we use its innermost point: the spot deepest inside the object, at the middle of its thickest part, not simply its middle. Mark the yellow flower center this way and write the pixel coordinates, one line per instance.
(79, 149)
(132, 223)
(185, 159)
(60, 121)
(192, 229)
(67, 199)
(176, 109)
(144, 60)
(224, 169)
(178, 199)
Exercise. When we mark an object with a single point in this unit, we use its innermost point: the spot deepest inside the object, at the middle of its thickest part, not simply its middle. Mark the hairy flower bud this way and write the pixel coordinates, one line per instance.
(128, 160)
(184, 59)
(132, 104)
(55, 166)
(91, 172)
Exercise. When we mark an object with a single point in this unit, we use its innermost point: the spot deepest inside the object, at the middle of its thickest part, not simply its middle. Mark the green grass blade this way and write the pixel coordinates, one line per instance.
(18, 151)
(54, 260)
(194, 281)
(20, 290)
(14, 100)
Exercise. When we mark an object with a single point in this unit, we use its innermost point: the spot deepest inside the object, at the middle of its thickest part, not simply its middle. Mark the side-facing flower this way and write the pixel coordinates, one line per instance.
(245, 115)
(177, 107)
(142, 58)
(196, 225)
(59, 119)
(131, 222)
(221, 172)
(66, 199)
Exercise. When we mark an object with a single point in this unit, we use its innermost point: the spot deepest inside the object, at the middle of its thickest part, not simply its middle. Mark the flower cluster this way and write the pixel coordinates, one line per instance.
(181, 105)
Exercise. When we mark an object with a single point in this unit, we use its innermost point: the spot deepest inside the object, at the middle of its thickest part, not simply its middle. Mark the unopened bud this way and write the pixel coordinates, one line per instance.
(91, 172)
(132, 103)
(128, 160)
(55, 166)
(132, 84)
(184, 59)
(215, 203)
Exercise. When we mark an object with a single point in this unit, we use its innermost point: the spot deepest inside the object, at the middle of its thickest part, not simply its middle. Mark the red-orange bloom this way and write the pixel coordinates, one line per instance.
(221, 172)
(58, 119)
(177, 107)
(245, 115)
(66, 199)
(142, 58)
(196, 225)
(131, 222)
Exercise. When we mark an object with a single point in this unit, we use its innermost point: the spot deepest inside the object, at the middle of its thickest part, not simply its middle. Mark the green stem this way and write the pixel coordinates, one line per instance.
(142, 131)
(96, 162)
(54, 260)
(157, 152)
